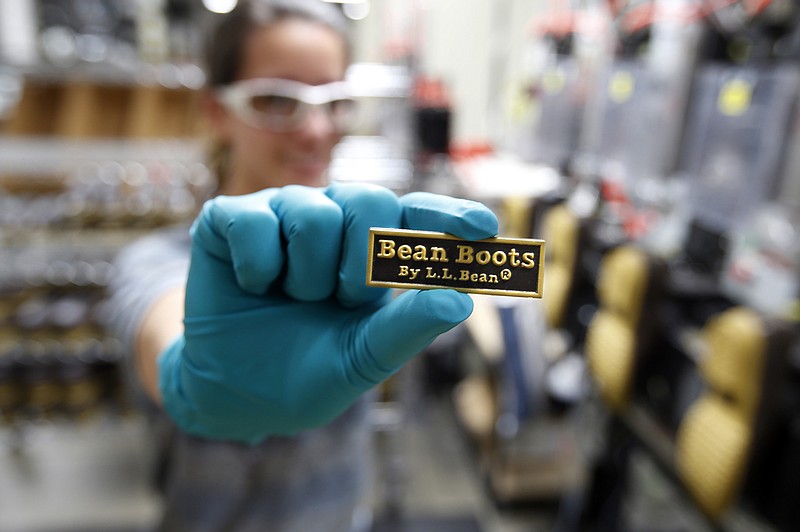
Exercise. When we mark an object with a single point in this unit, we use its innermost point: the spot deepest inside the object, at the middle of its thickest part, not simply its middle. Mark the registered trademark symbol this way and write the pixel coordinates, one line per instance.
(505, 274)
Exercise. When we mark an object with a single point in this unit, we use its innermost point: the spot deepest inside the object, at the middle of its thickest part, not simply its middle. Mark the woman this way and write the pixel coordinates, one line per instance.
(257, 335)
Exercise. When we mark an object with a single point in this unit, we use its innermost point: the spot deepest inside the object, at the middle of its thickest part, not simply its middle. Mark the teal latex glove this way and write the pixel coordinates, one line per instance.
(281, 332)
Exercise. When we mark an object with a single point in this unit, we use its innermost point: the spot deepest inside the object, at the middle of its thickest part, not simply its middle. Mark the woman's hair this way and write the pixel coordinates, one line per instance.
(223, 54)
(225, 49)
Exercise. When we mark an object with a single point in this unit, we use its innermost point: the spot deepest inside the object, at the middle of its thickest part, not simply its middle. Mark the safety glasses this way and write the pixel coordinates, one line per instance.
(283, 105)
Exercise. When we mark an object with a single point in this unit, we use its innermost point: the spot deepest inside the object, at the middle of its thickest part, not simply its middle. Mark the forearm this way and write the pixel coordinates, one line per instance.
(162, 323)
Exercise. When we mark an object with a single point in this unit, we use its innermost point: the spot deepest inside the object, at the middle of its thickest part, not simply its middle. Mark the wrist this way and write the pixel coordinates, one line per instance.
(173, 398)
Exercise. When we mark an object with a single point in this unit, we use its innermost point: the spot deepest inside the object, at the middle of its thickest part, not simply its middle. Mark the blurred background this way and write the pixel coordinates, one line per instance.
(654, 145)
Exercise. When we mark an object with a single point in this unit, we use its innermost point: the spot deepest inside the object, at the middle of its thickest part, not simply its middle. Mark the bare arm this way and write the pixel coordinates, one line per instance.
(162, 323)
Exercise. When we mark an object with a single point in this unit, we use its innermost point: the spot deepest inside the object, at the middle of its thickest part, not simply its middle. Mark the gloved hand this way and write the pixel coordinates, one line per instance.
(281, 332)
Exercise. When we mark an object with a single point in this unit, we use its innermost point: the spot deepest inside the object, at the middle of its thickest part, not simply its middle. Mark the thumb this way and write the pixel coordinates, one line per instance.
(401, 329)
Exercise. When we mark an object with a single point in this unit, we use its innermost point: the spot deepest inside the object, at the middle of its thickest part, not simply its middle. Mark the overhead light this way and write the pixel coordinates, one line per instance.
(220, 6)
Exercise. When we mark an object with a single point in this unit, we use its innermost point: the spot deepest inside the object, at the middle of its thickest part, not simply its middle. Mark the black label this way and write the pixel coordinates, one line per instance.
(400, 258)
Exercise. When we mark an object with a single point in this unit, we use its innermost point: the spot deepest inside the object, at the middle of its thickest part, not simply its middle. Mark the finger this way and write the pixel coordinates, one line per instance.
(463, 218)
(363, 206)
(236, 247)
(311, 223)
(402, 328)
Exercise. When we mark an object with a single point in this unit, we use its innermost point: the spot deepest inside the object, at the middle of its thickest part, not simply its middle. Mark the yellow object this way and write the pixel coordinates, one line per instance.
(517, 216)
(610, 349)
(623, 281)
(734, 97)
(612, 340)
(621, 86)
(737, 347)
(561, 230)
(716, 435)
(712, 450)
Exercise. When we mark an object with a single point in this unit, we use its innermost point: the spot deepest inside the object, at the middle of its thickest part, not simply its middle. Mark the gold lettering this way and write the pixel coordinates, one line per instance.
(438, 254)
(464, 275)
(499, 258)
(420, 252)
(483, 257)
(513, 257)
(528, 260)
(464, 255)
(387, 249)
(404, 252)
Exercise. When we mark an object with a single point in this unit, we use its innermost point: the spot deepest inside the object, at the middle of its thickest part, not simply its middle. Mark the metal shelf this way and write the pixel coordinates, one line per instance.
(43, 156)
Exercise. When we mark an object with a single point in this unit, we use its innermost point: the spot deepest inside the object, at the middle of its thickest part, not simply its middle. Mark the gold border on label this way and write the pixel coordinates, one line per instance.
(444, 236)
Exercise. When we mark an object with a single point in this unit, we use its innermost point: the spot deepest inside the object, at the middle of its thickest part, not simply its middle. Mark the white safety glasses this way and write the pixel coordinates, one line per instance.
(283, 105)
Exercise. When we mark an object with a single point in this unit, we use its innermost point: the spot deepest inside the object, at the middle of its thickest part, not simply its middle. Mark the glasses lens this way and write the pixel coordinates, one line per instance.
(342, 112)
(277, 111)
(272, 104)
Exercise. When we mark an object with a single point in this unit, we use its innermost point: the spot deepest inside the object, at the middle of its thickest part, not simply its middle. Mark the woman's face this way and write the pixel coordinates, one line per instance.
(295, 50)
